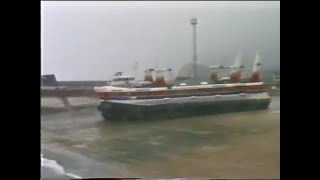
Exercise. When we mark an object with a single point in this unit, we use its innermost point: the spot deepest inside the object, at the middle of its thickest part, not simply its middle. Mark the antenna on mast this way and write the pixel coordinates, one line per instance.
(194, 22)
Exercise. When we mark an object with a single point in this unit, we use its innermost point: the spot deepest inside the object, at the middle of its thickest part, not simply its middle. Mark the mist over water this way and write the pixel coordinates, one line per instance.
(93, 40)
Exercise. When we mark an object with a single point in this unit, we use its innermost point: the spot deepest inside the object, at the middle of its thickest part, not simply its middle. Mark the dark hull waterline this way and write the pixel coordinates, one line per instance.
(122, 111)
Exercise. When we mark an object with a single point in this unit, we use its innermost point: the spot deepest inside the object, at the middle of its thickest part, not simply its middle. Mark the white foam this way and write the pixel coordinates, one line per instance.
(52, 164)
(73, 176)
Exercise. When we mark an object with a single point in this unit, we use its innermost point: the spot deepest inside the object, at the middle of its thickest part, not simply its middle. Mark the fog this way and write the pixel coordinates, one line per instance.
(93, 40)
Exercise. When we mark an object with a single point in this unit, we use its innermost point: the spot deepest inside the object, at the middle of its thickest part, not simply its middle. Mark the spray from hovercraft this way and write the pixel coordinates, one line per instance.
(236, 69)
(256, 75)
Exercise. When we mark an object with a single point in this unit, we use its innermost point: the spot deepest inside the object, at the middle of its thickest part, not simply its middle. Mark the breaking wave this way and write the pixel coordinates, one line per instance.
(58, 169)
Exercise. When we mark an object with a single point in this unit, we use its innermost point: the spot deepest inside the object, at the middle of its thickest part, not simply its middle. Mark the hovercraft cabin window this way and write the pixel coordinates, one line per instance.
(124, 79)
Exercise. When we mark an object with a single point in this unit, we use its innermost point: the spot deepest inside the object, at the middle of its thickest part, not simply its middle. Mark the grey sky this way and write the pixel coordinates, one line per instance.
(92, 40)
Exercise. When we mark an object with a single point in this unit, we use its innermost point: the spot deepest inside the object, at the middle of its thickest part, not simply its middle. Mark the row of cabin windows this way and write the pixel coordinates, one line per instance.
(124, 79)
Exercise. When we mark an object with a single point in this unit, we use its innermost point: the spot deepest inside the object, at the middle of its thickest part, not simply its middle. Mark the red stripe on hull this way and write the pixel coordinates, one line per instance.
(241, 89)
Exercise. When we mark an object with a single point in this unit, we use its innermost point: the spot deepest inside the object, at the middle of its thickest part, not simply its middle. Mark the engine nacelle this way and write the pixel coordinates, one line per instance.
(148, 76)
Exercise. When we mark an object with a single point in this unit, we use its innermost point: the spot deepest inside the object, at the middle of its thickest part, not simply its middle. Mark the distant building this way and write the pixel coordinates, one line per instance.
(48, 80)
